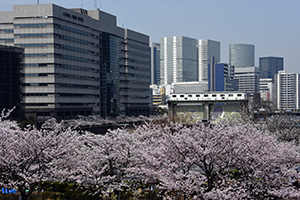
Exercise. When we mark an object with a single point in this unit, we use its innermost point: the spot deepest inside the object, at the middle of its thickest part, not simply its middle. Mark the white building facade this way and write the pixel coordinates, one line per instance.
(286, 90)
(207, 49)
(248, 79)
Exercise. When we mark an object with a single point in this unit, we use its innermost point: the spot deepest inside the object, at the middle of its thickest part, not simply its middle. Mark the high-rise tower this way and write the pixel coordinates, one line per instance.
(178, 59)
(241, 55)
(206, 50)
(269, 66)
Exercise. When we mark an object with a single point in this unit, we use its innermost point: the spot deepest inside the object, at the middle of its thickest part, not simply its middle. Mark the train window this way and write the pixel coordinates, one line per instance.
(214, 95)
(239, 95)
(190, 95)
(230, 95)
(197, 95)
(206, 95)
(182, 95)
(174, 95)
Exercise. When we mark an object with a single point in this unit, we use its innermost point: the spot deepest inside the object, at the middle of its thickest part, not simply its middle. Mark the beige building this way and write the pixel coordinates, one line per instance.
(78, 62)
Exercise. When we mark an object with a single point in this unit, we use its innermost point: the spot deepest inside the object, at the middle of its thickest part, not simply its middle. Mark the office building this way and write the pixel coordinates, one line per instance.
(265, 89)
(11, 63)
(269, 66)
(206, 50)
(248, 79)
(221, 77)
(189, 87)
(155, 63)
(78, 62)
(286, 90)
(241, 55)
(178, 60)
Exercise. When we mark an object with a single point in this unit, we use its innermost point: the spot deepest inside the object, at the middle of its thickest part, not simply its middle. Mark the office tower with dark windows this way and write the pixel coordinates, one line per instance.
(241, 55)
(269, 66)
(178, 60)
(207, 49)
(155, 63)
(11, 63)
(78, 62)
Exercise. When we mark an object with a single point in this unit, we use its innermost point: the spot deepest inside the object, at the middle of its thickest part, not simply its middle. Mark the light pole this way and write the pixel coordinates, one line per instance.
(151, 182)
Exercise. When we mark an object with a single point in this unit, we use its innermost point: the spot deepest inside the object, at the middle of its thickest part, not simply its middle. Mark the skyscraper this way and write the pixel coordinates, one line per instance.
(285, 92)
(241, 55)
(269, 66)
(207, 49)
(178, 59)
(155, 63)
(78, 62)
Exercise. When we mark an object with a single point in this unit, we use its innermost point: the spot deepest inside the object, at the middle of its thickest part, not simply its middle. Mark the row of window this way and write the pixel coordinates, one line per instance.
(41, 35)
(59, 46)
(8, 40)
(37, 74)
(68, 57)
(76, 49)
(37, 25)
(61, 95)
(7, 30)
(43, 25)
(77, 67)
(35, 45)
(26, 35)
(77, 77)
(62, 85)
(72, 39)
(68, 85)
(138, 47)
(240, 95)
(37, 84)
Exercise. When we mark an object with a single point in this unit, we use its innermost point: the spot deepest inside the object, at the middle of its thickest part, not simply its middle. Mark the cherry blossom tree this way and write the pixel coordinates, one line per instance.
(103, 166)
(219, 162)
(30, 156)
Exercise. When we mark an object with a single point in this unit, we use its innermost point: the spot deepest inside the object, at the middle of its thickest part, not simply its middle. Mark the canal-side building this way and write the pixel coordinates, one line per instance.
(78, 62)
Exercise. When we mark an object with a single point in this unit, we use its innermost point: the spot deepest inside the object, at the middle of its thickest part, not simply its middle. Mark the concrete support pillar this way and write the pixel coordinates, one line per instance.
(206, 111)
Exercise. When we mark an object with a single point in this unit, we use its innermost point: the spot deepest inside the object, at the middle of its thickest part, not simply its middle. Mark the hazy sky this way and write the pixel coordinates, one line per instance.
(273, 26)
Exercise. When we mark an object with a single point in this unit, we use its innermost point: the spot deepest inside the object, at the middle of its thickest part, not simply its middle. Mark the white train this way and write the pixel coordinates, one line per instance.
(209, 96)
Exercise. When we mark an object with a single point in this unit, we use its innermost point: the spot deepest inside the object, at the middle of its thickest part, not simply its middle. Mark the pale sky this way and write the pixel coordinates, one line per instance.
(273, 26)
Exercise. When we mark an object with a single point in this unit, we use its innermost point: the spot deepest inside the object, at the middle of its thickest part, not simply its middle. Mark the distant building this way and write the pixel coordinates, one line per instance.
(241, 55)
(221, 77)
(265, 89)
(158, 95)
(269, 66)
(207, 49)
(248, 79)
(286, 90)
(178, 61)
(11, 63)
(155, 63)
(78, 62)
(199, 107)
(189, 87)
